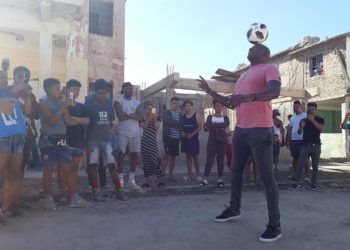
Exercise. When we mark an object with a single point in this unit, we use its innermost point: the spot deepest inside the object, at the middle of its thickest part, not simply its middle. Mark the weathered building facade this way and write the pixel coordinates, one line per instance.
(65, 39)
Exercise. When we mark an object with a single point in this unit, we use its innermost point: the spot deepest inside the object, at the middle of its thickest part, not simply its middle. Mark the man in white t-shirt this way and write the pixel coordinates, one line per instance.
(129, 113)
(296, 140)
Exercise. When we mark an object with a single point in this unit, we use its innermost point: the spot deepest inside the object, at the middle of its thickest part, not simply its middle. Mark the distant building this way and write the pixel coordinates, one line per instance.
(65, 39)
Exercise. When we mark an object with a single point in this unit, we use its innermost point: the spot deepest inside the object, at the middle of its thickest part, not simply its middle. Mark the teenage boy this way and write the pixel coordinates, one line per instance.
(99, 134)
(54, 117)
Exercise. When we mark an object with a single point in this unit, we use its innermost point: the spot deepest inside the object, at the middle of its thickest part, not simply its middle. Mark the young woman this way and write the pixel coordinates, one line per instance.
(189, 140)
(149, 150)
(216, 146)
(12, 134)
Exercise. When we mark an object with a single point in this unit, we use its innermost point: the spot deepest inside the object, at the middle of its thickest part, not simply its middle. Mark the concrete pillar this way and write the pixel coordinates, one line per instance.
(170, 92)
(45, 55)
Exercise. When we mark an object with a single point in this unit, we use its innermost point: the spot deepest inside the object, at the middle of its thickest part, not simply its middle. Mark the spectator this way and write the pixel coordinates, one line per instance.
(278, 137)
(99, 135)
(312, 126)
(12, 133)
(149, 150)
(54, 117)
(189, 140)
(296, 139)
(216, 145)
(172, 126)
(129, 113)
(76, 137)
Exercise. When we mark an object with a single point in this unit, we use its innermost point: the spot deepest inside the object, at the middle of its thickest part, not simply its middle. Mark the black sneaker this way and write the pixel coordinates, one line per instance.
(227, 215)
(295, 186)
(314, 187)
(271, 234)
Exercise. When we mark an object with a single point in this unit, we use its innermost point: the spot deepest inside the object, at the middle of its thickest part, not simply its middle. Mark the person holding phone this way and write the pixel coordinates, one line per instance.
(312, 126)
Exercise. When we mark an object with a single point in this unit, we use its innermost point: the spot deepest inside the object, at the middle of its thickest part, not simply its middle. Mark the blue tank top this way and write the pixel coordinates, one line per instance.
(190, 124)
(12, 124)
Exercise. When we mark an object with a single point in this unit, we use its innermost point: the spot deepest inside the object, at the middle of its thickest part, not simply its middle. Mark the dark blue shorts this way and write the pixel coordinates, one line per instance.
(55, 155)
(12, 144)
(295, 148)
(171, 146)
(76, 152)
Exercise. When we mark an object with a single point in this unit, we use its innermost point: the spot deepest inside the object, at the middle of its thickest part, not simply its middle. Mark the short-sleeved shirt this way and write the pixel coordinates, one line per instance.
(101, 118)
(255, 114)
(295, 121)
(14, 123)
(76, 134)
(311, 133)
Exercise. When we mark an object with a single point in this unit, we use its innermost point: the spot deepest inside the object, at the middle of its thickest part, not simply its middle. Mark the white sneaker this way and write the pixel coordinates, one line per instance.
(50, 204)
(132, 186)
(80, 203)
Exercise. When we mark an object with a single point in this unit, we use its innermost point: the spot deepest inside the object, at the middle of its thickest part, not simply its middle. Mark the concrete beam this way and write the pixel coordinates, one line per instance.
(72, 2)
(167, 82)
(217, 86)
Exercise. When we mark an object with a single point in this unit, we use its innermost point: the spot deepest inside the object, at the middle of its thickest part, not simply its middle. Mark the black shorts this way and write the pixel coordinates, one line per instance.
(171, 146)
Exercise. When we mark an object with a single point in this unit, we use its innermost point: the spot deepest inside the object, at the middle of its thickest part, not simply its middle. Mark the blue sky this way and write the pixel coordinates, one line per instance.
(199, 36)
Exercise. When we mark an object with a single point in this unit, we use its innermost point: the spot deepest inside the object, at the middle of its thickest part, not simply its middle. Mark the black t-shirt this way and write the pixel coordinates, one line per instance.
(76, 134)
(311, 133)
(101, 118)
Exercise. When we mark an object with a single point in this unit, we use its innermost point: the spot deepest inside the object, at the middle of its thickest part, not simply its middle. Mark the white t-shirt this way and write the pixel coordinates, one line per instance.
(295, 121)
(129, 128)
(217, 119)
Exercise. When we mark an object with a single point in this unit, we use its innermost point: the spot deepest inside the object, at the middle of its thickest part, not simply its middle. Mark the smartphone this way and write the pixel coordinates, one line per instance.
(308, 112)
(71, 95)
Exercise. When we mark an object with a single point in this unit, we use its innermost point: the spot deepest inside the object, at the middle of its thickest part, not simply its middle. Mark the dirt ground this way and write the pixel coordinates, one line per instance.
(310, 220)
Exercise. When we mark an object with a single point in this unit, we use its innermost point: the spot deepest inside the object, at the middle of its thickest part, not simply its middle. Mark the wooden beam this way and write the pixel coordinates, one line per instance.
(225, 78)
(169, 81)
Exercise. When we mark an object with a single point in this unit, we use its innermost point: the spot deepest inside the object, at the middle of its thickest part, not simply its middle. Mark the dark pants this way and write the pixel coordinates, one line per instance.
(259, 143)
(218, 149)
(313, 151)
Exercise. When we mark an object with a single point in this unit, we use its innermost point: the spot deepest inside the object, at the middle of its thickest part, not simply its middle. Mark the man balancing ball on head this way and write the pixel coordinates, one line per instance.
(253, 134)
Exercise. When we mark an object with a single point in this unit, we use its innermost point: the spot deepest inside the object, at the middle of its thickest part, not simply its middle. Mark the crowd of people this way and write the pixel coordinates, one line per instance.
(103, 132)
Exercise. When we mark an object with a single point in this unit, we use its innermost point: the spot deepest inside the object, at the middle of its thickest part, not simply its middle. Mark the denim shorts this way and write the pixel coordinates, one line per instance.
(54, 155)
(77, 152)
(12, 144)
(102, 149)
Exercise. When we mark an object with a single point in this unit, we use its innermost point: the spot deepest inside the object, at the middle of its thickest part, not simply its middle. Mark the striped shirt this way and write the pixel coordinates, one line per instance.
(174, 132)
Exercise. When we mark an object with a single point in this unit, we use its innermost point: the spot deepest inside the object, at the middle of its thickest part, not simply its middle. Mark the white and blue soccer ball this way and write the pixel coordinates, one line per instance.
(257, 33)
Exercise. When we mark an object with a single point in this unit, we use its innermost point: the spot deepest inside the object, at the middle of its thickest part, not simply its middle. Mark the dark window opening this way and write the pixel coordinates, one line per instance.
(316, 66)
(101, 18)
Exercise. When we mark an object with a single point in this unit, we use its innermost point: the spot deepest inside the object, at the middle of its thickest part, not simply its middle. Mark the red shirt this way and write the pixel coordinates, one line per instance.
(256, 114)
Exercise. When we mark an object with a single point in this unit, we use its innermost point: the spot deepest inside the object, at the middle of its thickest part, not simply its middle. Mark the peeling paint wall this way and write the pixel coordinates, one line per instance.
(106, 54)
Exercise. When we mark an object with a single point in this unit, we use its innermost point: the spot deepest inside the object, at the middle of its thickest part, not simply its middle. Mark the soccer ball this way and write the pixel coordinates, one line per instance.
(257, 33)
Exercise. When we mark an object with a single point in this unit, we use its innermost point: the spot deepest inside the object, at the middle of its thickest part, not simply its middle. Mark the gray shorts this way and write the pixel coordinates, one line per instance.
(133, 144)
(103, 149)
(12, 144)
